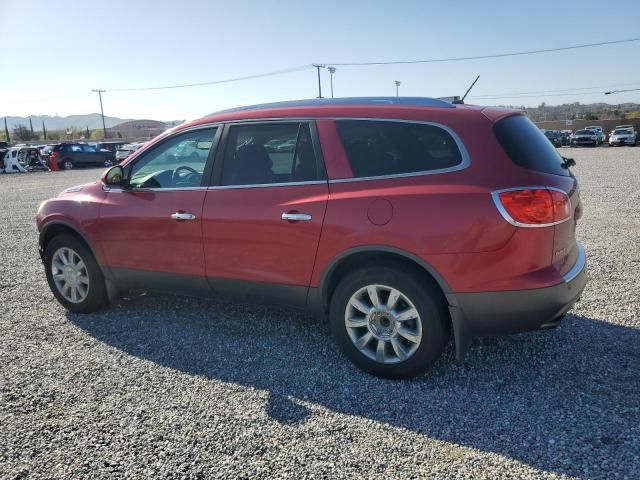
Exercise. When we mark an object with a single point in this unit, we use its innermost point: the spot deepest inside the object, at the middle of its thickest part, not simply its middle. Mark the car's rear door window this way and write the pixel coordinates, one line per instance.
(261, 154)
(527, 146)
(378, 148)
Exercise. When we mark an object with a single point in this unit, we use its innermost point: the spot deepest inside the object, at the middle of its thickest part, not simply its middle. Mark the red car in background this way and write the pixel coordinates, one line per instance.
(400, 220)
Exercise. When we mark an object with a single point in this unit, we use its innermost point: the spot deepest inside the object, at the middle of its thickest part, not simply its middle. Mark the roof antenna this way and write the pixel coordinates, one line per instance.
(467, 92)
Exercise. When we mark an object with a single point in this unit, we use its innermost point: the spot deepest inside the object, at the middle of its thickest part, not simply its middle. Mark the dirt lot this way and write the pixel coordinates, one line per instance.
(159, 387)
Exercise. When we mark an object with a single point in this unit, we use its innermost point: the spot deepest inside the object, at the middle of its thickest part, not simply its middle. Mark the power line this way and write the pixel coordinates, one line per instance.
(620, 91)
(577, 89)
(479, 57)
(396, 62)
(540, 96)
(214, 82)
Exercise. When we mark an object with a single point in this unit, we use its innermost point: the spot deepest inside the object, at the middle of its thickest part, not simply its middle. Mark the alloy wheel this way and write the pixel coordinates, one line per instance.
(383, 324)
(70, 275)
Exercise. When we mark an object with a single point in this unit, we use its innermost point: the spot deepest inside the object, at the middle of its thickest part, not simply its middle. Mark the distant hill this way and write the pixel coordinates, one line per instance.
(92, 120)
(139, 129)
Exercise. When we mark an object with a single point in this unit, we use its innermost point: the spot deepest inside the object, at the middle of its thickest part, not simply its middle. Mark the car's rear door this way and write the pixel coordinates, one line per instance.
(151, 232)
(264, 212)
(91, 155)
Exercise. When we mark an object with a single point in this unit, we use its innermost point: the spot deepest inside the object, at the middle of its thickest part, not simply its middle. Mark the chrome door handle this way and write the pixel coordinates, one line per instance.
(183, 216)
(296, 217)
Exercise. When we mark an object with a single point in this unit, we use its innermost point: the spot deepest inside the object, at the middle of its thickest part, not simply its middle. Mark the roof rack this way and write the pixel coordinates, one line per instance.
(325, 102)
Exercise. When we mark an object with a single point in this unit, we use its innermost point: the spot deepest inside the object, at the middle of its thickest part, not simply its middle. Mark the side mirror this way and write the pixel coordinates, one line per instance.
(115, 176)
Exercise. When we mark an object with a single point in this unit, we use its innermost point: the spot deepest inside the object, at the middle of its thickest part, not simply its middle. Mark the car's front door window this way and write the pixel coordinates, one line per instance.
(176, 163)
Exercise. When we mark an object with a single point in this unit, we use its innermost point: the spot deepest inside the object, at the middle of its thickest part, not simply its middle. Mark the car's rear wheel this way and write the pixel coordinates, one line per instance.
(74, 276)
(67, 164)
(389, 323)
(109, 162)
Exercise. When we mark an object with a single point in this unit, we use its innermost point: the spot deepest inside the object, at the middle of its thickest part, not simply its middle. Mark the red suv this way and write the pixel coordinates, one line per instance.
(400, 220)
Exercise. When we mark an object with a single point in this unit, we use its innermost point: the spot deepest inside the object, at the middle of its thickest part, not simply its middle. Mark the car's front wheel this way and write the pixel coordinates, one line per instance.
(67, 164)
(74, 275)
(109, 162)
(389, 322)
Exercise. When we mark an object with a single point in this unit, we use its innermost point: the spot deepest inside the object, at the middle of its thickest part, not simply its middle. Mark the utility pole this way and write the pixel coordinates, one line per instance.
(44, 131)
(319, 66)
(332, 70)
(6, 130)
(100, 92)
(397, 87)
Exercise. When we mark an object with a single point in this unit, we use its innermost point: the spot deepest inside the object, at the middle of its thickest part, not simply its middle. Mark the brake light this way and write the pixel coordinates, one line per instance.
(533, 206)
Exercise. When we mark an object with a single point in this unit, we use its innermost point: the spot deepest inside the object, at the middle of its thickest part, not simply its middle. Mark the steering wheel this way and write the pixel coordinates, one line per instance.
(176, 178)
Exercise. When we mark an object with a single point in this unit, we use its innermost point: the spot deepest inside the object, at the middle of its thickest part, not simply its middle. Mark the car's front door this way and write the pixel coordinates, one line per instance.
(151, 231)
(264, 214)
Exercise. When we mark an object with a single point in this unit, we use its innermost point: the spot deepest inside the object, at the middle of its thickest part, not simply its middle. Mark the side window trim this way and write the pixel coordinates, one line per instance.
(215, 179)
(464, 163)
(208, 165)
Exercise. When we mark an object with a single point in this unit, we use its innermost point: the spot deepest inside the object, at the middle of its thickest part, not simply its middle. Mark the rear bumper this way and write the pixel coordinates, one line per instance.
(513, 311)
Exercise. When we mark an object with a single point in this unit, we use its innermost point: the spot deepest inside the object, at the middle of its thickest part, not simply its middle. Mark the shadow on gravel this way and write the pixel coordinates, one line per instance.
(565, 401)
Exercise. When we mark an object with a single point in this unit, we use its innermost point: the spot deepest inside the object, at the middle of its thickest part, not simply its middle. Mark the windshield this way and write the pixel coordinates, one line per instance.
(622, 132)
(585, 132)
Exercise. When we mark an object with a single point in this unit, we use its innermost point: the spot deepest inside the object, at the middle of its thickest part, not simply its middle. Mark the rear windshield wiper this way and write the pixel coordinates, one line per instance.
(567, 162)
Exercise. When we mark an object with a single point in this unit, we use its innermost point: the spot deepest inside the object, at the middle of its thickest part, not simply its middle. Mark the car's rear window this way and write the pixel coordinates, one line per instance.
(527, 146)
(377, 147)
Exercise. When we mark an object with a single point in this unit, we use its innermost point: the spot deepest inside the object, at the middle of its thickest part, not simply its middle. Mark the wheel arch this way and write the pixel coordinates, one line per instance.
(55, 228)
(362, 255)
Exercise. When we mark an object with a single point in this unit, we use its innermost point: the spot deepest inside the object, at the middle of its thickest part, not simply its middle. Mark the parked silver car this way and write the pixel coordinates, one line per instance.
(622, 136)
(599, 132)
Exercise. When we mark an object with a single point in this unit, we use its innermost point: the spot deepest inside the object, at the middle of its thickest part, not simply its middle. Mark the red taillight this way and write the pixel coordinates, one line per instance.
(533, 207)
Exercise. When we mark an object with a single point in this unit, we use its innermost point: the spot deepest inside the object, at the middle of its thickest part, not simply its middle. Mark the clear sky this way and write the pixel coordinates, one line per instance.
(54, 52)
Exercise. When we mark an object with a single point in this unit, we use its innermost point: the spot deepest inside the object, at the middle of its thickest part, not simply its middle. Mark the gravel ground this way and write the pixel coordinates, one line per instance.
(158, 386)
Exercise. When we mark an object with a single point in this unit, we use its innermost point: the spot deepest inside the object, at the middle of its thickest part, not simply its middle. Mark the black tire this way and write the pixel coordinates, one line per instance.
(109, 162)
(97, 293)
(67, 164)
(427, 299)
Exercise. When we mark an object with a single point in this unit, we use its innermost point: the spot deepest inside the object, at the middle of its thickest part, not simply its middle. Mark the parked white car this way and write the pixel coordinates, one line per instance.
(622, 136)
(14, 160)
(126, 150)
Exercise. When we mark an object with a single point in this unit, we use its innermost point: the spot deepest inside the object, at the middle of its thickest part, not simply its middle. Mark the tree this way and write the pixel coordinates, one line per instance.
(97, 134)
(21, 132)
(53, 135)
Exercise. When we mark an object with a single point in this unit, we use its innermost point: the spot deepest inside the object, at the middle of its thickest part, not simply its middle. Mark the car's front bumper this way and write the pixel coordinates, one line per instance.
(499, 313)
